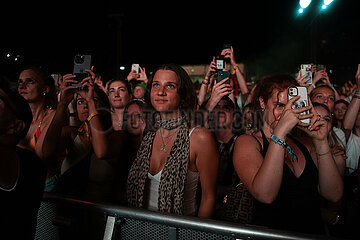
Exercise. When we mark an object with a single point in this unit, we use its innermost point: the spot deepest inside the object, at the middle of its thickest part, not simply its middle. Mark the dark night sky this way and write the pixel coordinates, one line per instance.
(180, 32)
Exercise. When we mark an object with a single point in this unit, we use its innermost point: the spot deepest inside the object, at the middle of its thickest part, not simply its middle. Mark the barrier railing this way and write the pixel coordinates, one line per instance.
(65, 218)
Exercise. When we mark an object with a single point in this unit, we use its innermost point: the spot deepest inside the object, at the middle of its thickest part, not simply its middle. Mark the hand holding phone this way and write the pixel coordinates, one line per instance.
(135, 68)
(222, 75)
(305, 69)
(301, 102)
(81, 63)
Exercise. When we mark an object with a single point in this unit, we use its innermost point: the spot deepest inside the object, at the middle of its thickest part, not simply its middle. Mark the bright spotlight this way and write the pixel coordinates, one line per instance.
(327, 2)
(323, 7)
(301, 10)
(305, 3)
(122, 68)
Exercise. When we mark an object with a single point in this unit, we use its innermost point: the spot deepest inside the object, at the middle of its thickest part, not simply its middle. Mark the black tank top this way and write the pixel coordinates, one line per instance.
(297, 205)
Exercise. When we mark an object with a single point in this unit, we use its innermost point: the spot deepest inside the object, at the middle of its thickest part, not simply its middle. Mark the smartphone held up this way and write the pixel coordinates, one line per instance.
(301, 102)
(81, 63)
(304, 70)
(222, 75)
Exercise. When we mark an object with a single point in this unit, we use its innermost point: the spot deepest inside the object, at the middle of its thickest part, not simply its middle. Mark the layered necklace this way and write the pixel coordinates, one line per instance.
(169, 137)
(168, 125)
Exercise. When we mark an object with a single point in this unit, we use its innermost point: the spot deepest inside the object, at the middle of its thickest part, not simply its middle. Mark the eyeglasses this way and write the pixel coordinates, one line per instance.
(9, 106)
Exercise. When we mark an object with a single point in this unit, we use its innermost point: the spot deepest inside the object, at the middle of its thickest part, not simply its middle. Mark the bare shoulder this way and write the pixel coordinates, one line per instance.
(200, 134)
(246, 141)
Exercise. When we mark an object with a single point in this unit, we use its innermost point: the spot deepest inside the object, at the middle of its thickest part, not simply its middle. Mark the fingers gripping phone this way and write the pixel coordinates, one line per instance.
(81, 63)
(306, 69)
(222, 75)
(301, 102)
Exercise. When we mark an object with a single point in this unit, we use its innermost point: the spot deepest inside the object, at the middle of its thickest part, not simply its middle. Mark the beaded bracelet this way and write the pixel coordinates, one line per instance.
(283, 144)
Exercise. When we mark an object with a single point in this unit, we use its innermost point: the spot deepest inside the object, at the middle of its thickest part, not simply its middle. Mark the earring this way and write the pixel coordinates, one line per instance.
(44, 93)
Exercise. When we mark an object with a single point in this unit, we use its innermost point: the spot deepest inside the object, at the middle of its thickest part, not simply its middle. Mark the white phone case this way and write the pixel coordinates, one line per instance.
(301, 102)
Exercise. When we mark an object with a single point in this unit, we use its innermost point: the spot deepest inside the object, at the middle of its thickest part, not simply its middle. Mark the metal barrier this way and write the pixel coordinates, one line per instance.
(65, 218)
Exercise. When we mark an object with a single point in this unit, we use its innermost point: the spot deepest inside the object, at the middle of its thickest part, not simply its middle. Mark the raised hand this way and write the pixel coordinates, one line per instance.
(66, 89)
(291, 117)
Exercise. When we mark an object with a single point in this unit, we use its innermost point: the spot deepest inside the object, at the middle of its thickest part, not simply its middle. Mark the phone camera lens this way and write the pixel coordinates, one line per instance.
(79, 59)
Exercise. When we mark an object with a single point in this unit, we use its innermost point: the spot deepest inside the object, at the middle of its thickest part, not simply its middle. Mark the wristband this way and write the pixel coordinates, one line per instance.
(283, 144)
(205, 82)
(207, 110)
(91, 116)
(234, 71)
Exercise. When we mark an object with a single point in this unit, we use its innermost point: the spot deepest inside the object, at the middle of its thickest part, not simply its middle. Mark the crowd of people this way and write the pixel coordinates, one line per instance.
(155, 143)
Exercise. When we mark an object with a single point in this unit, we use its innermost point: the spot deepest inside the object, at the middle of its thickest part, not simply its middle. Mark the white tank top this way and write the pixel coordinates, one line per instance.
(190, 204)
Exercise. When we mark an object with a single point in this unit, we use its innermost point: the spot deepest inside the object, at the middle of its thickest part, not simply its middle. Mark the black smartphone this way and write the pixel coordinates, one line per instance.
(222, 75)
(81, 63)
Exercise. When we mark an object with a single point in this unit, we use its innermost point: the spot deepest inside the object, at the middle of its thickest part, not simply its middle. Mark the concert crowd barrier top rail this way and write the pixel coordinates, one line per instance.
(61, 217)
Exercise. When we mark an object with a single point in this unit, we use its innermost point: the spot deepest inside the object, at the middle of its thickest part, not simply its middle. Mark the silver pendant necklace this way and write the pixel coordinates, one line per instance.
(163, 148)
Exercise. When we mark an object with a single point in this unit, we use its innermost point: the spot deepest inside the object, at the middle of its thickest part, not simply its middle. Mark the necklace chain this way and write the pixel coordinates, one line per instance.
(163, 148)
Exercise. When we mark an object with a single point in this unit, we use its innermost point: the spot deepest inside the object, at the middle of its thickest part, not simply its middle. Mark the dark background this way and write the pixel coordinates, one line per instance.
(268, 36)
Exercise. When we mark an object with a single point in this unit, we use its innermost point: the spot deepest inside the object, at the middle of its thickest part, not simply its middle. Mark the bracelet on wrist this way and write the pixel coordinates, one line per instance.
(91, 116)
(284, 144)
(207, 110)
(322, 154)
(234, 71)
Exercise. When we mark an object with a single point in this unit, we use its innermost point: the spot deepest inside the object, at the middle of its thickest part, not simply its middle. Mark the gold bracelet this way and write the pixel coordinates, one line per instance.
(322, 154)
(91, 116)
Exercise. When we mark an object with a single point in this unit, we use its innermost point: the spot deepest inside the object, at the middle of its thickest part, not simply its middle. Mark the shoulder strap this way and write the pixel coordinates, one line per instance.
(261, 148)
(191, 131)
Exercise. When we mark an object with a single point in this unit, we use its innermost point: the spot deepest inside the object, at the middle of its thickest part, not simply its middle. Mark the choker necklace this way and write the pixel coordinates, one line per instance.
(163, 148)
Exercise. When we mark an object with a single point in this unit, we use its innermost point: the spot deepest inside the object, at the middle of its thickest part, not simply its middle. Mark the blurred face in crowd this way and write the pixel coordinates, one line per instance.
(274, 107)
(31, 87)
(324, 114)
(135, 123)
(325, 96)
(164, 91)
(139, 92)
(82, 107)
(223, 114)
(247, 120)
(118, 95)
(340, 110)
